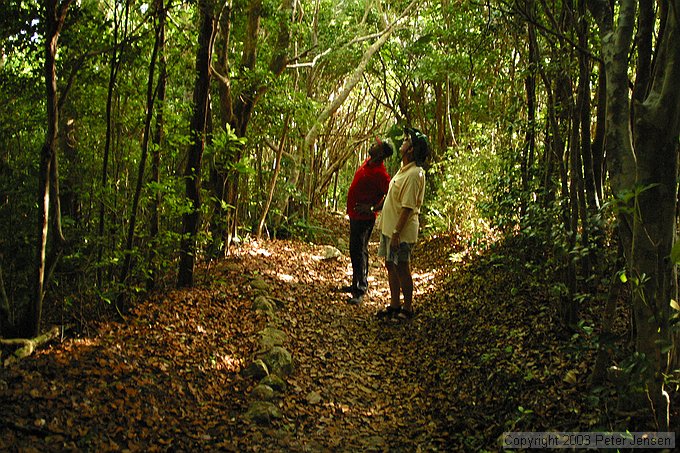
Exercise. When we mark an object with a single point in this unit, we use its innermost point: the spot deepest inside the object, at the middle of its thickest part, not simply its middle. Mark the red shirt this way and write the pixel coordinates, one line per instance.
(369, 186)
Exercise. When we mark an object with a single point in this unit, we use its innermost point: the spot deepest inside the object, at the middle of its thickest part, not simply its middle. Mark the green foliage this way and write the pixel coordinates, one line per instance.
(225, 145)
(302, 229)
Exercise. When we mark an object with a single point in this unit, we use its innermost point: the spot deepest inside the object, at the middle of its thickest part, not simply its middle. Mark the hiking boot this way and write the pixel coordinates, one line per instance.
(405, 314)
(389, 312)
(355, 300)
(344, 289)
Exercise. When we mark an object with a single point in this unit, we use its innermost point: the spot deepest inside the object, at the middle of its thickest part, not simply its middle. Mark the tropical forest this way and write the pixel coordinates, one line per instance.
(176, 238)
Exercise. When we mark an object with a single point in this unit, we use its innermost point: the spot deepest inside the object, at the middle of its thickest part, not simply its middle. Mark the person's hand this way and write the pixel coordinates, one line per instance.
(394, 241)
(363, 208)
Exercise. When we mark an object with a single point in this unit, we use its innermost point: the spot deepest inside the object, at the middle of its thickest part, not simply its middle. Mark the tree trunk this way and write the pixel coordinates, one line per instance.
(127, 261)
(237, 108)
(345, 91)
(597, 147)
(582, 160)
(7, 326)
(643, 146)
(530, 136)
(584, 106)
(154, 228)
(352, 81)
(54, 20)
(191, 220)
(272, 184)
(113, 74)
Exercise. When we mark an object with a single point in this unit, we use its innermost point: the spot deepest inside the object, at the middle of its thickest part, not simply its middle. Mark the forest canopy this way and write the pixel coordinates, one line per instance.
(141, 138)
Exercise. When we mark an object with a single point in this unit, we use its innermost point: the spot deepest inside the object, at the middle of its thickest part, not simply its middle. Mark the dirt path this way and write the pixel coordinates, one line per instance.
(480, 358)
(169, 378)
(364, 369)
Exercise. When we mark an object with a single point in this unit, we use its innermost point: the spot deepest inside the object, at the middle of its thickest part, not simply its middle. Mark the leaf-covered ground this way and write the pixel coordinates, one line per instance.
(484, 355)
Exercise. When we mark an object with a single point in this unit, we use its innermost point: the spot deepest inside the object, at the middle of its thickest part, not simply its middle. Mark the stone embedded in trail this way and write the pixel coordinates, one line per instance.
(264, 304)
(263, 412)
(270, 337)
(262, 392)
(258, 369)
(279, 361)
(313, 397)
(331, 252)
(260, 284)
(275, 382)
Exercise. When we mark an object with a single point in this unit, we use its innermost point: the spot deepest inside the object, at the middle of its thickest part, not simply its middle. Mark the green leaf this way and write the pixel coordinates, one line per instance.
(675, 253)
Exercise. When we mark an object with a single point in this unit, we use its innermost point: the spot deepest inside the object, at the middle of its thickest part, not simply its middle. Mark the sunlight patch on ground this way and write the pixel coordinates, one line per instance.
(285, 277)
(255, 249)
(85, 342)
(424, 277)
(227, 363)
(458, 257)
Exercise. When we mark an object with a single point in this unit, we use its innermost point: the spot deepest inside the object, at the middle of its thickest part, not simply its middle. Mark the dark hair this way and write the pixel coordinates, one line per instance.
(421, 147)
(387, 147)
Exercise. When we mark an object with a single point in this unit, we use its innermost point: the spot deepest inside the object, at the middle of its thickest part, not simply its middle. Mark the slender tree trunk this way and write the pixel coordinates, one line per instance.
(127, 261)
(154, 228)
(55, 16)
(272, 184)
(192, 174)
(584, 106)
(113, 73)
(7, 326)
(583, 165)
(598, 148)
(530, 136)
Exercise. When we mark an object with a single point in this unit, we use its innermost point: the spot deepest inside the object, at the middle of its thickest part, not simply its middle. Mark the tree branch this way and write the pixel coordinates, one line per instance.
(27, 346)
(354, 79)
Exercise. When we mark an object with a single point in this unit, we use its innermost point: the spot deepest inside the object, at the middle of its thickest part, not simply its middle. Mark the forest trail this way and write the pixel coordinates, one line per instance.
(170, 377)
(480, 358)
(363, 371)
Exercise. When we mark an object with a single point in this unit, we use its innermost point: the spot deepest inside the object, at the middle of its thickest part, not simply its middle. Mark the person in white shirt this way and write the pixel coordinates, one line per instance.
(400, 222)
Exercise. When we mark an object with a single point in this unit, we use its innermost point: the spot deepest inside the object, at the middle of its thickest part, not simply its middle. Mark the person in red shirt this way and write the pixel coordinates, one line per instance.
(364, 200)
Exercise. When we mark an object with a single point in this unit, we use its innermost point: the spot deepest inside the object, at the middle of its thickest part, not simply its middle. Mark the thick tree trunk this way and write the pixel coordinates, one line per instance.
(643, 171)
(191, 220)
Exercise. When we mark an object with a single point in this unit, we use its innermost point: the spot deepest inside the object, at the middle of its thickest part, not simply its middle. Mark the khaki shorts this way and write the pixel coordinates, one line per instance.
(400, 255)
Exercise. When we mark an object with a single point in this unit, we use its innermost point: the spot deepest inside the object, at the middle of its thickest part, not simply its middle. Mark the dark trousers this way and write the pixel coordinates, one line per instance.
(359, 235)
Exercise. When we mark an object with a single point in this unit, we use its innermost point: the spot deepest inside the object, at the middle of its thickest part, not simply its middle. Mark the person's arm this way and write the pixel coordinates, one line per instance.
(379, 205)
(403, 218)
